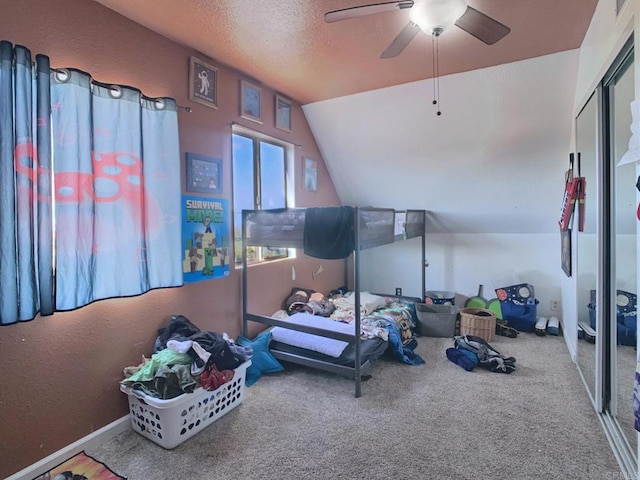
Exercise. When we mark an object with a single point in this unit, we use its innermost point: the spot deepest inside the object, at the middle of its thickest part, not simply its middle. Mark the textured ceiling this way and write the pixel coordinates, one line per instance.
(287, 45)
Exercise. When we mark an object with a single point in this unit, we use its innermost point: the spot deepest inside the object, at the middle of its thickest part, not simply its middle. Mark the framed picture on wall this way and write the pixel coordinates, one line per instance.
(283, 113)
(310, 174)
(565, 238)
(204, 174)
(250, 101)
(203, 83)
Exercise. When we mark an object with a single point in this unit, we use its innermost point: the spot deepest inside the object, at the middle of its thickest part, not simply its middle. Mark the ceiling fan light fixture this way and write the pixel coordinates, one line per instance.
(436, 14)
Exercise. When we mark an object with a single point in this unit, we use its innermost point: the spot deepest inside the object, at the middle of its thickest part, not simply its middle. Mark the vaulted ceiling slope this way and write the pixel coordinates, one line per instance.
(493, 161)
(287, 45)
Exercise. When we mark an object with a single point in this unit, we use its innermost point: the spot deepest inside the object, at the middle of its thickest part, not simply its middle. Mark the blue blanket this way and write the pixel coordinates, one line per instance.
(402, 352)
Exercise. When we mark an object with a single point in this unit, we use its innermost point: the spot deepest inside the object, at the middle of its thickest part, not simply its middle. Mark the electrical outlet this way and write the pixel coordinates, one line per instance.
(398, 292)
(555, 305)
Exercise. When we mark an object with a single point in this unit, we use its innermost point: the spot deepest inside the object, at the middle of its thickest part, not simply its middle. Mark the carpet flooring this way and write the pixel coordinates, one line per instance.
(433, 421)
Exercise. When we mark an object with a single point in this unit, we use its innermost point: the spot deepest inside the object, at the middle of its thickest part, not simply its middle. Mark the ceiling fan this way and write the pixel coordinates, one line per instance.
(432, 17)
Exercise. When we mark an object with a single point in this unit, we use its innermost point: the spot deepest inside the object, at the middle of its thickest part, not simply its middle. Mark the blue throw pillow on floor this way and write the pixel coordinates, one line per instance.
(262, 361)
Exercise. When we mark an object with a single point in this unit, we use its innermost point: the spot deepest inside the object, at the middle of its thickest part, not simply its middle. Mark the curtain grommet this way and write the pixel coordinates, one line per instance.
(115, 91)
(62, 75)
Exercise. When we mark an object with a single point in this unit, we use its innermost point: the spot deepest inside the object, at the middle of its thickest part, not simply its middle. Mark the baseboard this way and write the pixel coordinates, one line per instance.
(572, 352)
(620, 446)
(92, 440)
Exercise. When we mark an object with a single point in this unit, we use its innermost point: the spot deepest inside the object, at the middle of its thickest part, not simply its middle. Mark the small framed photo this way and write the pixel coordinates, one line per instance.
(310, 174)
(204, 174)
(565, 238)
(283, 113)
(250, 101)
(203, 83)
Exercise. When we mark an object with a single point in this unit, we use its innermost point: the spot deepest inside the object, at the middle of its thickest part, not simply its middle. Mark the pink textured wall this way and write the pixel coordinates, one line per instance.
(60, 374)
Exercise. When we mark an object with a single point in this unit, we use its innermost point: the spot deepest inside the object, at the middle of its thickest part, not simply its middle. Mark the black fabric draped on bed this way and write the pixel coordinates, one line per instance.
(328, 232)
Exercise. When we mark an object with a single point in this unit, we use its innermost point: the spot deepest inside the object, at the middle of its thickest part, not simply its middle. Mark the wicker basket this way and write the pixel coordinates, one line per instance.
(483, 326)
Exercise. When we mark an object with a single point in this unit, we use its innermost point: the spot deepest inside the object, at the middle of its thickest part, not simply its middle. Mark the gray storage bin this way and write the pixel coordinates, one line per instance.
(436, 320)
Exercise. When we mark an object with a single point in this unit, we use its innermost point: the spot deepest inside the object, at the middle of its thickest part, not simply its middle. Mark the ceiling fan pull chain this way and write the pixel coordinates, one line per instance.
(438, 74)
(435, 61)
(433, 66)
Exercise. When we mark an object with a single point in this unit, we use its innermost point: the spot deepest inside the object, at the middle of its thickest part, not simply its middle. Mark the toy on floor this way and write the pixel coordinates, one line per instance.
(518, 306)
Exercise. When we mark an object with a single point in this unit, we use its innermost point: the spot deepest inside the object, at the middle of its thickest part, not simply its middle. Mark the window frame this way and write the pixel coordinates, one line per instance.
(257, 140)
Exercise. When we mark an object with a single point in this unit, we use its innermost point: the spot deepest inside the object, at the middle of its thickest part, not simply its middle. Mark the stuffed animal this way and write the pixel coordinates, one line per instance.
(308, 301)
(320, 305)
(297, 302)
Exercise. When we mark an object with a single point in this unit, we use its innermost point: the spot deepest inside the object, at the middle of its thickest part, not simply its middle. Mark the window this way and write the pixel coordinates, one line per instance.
(260, 171)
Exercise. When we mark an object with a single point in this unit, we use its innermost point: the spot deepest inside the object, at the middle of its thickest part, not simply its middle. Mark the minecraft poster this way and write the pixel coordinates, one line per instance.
(205, 238)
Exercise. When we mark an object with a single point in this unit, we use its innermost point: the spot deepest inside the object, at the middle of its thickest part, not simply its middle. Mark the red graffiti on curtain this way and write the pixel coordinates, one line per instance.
(118, 175)
(117, 169)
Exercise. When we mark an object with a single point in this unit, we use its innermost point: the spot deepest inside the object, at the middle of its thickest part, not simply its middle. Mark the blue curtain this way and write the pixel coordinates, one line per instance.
(117, 173)
(26, 235)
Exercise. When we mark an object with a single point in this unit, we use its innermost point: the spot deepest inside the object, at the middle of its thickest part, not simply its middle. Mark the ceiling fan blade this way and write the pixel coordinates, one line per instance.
(362, 10)
(401, 41)
(481, 26)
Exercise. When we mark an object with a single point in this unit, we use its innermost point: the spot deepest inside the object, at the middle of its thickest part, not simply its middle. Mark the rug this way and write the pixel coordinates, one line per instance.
(80, 467)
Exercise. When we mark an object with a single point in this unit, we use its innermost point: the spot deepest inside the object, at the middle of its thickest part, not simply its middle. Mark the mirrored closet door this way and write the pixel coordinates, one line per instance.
(606, 266)
(620, 93)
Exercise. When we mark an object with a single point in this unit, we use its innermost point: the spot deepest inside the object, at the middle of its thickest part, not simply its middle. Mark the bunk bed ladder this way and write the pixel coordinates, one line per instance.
(245, 326)
(356, 281)
(425, 263)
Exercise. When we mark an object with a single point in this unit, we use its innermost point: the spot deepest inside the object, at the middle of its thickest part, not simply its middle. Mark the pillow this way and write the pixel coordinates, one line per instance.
(262, 361)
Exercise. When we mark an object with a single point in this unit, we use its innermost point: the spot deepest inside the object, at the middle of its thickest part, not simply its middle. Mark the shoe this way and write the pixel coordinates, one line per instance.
(554, 326)
(506, 331)
(541, 326)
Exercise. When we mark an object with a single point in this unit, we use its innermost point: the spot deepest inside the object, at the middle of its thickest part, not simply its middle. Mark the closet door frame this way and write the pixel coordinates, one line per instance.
(605, 395)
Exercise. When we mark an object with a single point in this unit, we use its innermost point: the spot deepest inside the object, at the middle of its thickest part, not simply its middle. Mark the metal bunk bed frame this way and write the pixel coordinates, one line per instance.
(412, 230)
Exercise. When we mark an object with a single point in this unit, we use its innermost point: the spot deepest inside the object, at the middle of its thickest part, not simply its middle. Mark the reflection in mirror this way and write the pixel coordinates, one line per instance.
(622, 94)
(587, 244)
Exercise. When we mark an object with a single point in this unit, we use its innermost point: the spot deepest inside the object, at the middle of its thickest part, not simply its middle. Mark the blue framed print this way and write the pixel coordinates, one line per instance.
(250, 101)
(204, 174)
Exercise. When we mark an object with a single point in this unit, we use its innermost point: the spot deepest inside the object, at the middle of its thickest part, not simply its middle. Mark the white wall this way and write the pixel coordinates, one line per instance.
(490, 171)
(461, 262)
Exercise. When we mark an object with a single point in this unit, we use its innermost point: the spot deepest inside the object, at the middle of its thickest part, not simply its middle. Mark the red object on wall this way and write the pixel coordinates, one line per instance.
(575, 190)
(571, 185)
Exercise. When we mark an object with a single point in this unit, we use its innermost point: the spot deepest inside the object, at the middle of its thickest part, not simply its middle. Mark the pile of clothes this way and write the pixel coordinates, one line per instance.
(470, 351)
(184, 358)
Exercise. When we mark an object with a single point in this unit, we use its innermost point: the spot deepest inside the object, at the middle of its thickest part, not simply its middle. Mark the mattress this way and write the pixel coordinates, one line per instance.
(370, 349)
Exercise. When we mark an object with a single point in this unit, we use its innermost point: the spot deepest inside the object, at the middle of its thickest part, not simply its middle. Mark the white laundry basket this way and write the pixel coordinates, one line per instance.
(170, 422)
